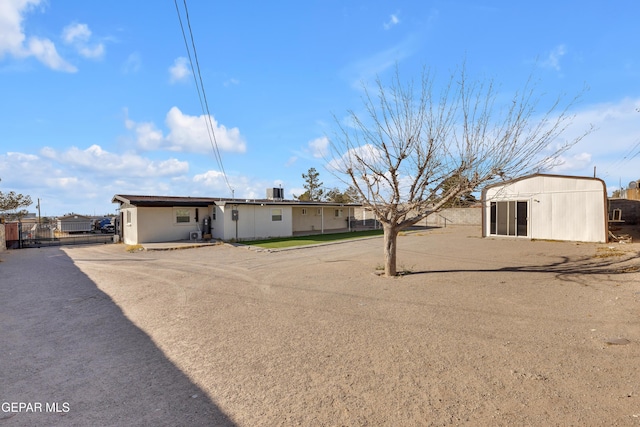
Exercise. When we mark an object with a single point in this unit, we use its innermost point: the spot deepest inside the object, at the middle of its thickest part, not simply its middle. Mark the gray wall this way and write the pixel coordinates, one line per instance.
(630, 210)
(456, 216)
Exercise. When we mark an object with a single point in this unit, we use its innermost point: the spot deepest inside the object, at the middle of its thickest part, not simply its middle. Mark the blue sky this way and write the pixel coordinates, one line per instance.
(98, 97)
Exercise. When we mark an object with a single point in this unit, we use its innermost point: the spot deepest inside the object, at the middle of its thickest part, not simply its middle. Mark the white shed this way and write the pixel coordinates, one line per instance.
(541, 206)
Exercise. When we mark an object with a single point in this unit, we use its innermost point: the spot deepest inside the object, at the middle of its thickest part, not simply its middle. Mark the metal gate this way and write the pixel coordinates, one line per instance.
(39, 235)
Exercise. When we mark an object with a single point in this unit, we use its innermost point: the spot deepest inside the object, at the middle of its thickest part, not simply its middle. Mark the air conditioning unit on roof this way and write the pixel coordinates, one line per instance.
(195, 235)
(275, 193)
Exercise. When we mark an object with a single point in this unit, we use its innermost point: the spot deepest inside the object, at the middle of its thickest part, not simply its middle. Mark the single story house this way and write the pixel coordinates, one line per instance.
(543, 206)
(148, 219)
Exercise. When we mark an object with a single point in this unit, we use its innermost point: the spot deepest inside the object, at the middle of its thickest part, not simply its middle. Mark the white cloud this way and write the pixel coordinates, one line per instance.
(186, 134)
(104, 163)
(180, 70)
(14, 157)
(392, 22)
(132, 64)
(148, 137)
(554, 57)
(12, 36)
(76, 33)
(189, 133)
(45, 51)
(78, 36)
(571, 163)
(613, 148)
(319, 147)
(370, 154)
(292, 160)
(95, 52)
(364, 70)
(14, 41)
(231, 82)
(211, 179)
(213, 182)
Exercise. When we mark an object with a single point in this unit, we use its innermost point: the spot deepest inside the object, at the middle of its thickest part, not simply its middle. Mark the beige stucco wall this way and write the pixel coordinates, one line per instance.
(320, 218)
(158, 224)
(254, 222)
(129, 228)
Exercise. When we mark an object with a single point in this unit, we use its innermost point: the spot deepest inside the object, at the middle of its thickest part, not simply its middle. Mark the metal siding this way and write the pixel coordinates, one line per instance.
(561, 208)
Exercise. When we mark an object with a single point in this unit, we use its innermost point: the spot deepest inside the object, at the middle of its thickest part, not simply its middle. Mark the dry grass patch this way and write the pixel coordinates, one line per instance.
(609, 251)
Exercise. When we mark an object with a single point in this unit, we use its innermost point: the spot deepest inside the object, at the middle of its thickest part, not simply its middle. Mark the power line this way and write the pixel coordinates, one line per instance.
(204, 104)
(630, 155)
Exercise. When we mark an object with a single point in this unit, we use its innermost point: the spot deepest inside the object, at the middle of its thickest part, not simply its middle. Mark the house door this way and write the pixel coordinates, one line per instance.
(509, 218)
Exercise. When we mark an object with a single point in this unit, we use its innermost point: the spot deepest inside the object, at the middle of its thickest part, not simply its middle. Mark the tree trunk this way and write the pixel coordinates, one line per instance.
(390, 246)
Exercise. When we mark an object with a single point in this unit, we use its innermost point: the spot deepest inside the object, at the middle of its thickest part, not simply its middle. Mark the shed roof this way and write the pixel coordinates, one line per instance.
(73, 216)
(536, 175)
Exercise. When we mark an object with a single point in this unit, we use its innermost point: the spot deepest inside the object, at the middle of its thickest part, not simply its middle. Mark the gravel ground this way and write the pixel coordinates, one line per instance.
(482, 332)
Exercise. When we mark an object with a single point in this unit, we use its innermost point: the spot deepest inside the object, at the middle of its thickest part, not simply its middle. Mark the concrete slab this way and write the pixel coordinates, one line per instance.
(182, 244)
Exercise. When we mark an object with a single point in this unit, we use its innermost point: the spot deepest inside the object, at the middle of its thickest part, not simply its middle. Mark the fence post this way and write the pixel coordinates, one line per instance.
(3, 237)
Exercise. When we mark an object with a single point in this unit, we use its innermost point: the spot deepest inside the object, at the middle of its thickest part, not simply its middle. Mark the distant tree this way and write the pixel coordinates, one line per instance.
(350, 195)
(304, 197)
(313, 186)
(336, 196)
(463, 200)
(618, 194)
(11, 202)
(411, 142)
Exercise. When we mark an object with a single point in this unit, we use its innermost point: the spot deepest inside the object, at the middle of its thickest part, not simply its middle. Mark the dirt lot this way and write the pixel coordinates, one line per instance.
(483, 332)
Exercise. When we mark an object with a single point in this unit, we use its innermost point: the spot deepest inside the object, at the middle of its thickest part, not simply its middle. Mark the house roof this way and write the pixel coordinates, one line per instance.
(163, 201)
(167, 201)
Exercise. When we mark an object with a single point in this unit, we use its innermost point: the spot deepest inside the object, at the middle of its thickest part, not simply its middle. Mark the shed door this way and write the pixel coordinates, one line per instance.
(509, 218)
(521, 218)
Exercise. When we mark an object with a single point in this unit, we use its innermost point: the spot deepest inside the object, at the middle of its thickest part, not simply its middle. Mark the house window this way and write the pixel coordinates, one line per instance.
(276, 214)
(129, 217)
(304, 211)
(182, 216)
(338, 213)
(508, 218)
(319, 211)
(213, 214)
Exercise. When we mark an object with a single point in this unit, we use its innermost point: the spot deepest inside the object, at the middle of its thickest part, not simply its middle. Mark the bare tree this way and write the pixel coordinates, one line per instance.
(412, 144)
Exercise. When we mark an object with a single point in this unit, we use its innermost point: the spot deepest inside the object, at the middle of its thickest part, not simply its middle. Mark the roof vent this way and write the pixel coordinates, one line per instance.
(633, 184)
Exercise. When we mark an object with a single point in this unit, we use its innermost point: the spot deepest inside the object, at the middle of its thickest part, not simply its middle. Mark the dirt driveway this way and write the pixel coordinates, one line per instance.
(483, 332)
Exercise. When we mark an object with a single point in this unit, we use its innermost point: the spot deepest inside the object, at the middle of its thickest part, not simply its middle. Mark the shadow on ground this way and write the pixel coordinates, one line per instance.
(70, 356)
(566, 268)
